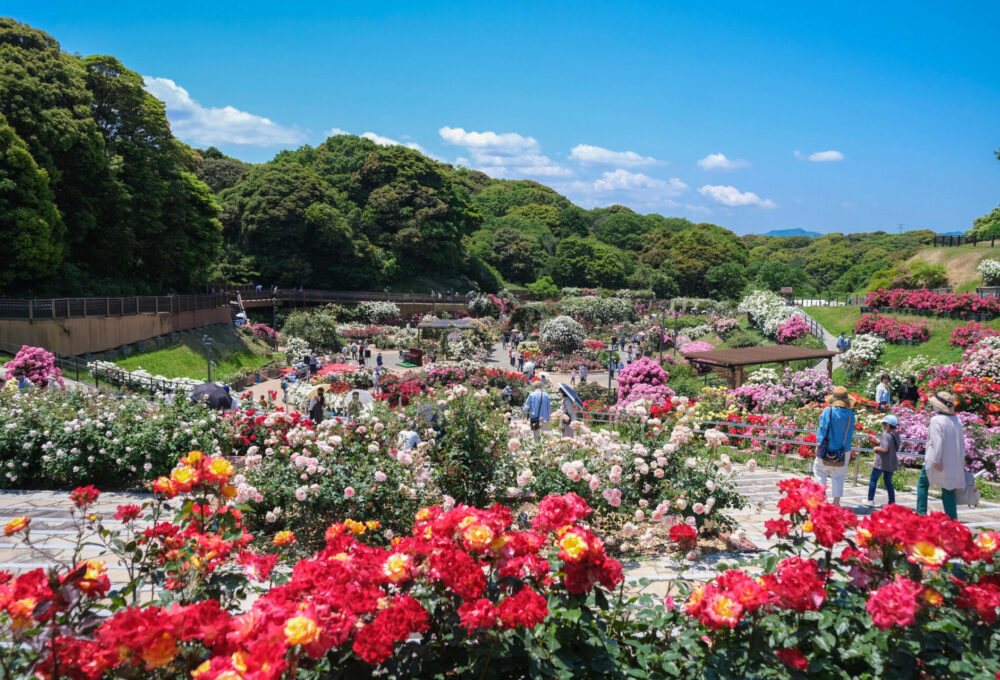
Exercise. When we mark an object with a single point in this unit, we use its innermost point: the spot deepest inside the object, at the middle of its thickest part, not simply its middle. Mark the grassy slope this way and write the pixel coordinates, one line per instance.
(936, 349)
(961, 263)
(232, 351)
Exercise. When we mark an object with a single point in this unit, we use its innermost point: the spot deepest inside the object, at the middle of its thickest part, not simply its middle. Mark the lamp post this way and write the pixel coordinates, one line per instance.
(674, 313)
(274, 320)
(207, 342)
(611, 371)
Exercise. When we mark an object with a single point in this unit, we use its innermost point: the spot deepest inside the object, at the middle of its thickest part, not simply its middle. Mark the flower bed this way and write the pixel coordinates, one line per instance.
(893, 330)
(970, 334)
(466, 593)
(929, 302)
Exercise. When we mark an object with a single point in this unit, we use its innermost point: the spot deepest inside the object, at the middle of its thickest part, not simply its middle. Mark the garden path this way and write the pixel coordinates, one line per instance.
(52, 528)
(830, 341)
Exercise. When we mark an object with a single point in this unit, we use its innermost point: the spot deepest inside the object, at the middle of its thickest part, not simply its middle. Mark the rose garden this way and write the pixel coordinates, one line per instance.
(257, 543)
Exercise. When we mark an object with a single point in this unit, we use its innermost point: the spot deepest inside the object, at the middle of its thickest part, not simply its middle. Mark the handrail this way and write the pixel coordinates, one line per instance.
(83, 307)
(787, 429)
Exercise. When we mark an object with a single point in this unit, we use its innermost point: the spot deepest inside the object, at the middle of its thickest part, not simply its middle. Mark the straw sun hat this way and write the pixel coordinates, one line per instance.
(943, 402)
(840, 397)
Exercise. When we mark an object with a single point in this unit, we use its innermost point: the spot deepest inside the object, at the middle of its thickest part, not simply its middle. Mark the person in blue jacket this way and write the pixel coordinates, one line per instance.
(836, 430)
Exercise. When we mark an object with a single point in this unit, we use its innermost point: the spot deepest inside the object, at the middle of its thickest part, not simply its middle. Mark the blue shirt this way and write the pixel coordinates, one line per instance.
(835, 421)
(537, 405)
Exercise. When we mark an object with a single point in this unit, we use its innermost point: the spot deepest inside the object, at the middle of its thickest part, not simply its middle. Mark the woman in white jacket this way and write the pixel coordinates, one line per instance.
(944, 458)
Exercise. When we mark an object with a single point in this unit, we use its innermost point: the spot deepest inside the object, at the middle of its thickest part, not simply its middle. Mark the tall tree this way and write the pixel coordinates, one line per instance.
(31, 228)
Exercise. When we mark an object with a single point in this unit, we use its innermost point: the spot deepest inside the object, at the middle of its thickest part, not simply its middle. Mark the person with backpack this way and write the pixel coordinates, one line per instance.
(833, 437)
(886, 460)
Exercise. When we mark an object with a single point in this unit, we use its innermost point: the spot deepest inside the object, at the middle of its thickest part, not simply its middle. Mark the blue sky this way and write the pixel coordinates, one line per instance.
(851, 117)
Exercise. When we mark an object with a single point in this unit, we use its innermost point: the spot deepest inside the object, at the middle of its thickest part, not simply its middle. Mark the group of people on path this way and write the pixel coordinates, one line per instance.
(20, 381)
(944, 456)
(538, 408)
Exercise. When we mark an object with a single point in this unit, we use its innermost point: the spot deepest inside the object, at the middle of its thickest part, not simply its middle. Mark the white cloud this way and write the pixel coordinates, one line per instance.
(634, 189)
(503, 154)
(623, 180)
(585, 153)
(718, 161)
(820, 156)
(203, 126)
(733, 197)
(509, 141)
(334, 131)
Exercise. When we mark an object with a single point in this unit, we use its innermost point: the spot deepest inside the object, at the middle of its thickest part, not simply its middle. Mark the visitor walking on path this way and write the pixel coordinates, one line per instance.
(317, 406)
(833, 437)
(583, 373)
(886, 461)
(944, 455)
(538, 406)
(569, 414)
(378, 360)
(520, 362)
(572, 377)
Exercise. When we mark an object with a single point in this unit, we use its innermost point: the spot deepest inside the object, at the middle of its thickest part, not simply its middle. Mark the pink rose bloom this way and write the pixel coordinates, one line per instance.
(698, 509)
(379, 476)
(349, 492)
(595, 483)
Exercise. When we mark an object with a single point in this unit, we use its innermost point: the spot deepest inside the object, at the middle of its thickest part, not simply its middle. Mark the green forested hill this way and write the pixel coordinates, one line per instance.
(95, 193)
(98, 197)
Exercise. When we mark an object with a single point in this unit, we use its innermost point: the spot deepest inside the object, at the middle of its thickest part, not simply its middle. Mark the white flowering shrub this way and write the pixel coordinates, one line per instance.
(861, 358)
(767, 311)
(377, 312)
(295, 348)
(461, 347)
(990, 271)
(597, 310)
(481, 304)
(764, 376)
(139, 379)
(562, 334)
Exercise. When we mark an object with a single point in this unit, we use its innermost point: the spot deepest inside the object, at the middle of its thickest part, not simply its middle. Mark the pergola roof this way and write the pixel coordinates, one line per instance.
(447, 323)
(746, 356)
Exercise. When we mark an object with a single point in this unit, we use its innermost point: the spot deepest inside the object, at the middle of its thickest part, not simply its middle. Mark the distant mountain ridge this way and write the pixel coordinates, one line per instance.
(792, 232)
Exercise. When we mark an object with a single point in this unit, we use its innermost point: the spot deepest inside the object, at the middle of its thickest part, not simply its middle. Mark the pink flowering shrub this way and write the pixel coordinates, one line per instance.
(970, 334)
(891, 329)
(645, 371)
(264, 332)
(698, 346)
(656, 395)
(791, 329)
(36, 363)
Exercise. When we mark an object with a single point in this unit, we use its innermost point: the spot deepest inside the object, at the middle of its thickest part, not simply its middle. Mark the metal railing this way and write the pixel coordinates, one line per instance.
(74, 308)
(251, 294)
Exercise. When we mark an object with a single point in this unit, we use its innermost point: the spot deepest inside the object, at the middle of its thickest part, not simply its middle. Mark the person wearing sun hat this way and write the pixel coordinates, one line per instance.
(833, 437)
(944, 455)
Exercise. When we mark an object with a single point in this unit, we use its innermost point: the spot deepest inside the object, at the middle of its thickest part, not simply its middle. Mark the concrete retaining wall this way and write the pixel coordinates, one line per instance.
(96, 334)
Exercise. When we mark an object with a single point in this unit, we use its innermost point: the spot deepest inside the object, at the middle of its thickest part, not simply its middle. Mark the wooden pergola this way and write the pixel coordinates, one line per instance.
(735, 361)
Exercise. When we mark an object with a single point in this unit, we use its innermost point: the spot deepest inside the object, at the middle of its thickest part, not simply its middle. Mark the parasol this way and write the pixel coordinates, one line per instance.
(571, 393)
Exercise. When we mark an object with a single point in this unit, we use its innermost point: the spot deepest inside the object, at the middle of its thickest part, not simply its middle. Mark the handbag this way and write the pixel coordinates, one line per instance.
(834, 458)
(969, 494)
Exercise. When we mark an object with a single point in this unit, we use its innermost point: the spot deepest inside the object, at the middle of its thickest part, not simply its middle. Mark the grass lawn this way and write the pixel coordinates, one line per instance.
(231, 350)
